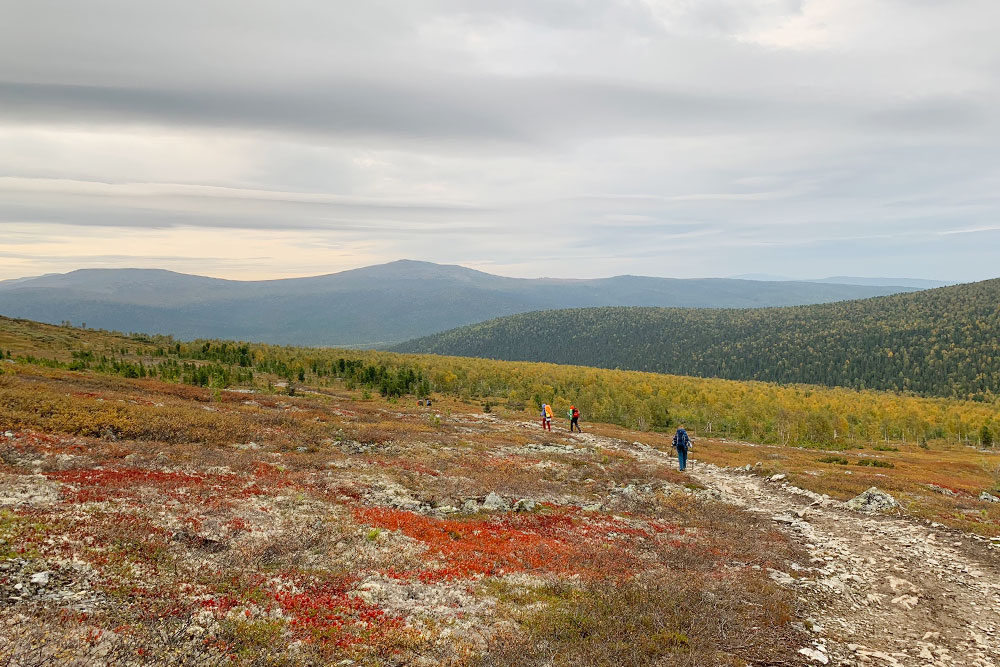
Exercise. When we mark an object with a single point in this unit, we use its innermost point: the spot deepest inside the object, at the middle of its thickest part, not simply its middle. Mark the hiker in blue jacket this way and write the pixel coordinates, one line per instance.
(682, 443)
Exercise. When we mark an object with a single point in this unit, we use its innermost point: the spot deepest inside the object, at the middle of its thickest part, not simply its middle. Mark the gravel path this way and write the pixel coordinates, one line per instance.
(884, 590)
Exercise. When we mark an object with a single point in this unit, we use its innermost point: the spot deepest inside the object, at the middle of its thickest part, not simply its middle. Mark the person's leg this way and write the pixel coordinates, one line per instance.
(682, 457)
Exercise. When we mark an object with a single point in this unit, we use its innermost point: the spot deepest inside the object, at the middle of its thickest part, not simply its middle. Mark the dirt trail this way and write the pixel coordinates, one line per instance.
(885, 590)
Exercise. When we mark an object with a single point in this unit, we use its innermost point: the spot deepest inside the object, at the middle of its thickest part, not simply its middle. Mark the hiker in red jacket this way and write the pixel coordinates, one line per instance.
(574, 419)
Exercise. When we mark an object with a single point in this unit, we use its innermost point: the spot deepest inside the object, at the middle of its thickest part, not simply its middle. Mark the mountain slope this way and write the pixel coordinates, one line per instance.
(943, 342)
(375, 305)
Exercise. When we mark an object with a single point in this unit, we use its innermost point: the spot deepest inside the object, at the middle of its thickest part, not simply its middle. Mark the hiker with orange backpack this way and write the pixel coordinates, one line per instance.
(546, 417)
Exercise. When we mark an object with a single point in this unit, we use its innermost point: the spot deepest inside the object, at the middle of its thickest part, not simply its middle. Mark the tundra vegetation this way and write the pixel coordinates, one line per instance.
(210, 502)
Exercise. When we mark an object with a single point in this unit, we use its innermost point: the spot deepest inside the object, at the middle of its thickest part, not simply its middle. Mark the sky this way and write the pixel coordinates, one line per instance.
(563, 138)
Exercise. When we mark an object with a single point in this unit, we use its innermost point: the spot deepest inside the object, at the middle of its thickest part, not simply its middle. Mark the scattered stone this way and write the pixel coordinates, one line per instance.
(989, 497)
(815, 655)
(494, 503)
(470, 506)
(525, 505)
(778, 477)
(40, 579)
(8, 434)
(941, 489)
(781, 578)
(872, 500)
(627, 491)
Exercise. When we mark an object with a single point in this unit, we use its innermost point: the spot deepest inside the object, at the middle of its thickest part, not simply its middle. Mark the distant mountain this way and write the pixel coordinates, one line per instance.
(767, 277)
(916, 283)
(940, 342)
(372, 306)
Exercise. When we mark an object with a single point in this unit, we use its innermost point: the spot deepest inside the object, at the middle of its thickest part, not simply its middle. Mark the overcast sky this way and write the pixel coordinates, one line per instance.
(682, 138)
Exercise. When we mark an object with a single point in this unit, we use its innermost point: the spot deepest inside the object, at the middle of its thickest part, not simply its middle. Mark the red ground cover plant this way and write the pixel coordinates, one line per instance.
(318, 612)
(207, 490)
(560, 540)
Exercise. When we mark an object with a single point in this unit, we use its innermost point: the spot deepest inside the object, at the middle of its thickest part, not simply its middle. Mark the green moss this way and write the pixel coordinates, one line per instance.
(21, 535)
(250, 637)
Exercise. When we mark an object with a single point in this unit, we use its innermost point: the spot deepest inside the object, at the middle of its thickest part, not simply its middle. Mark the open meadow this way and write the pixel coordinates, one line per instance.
(201, 503)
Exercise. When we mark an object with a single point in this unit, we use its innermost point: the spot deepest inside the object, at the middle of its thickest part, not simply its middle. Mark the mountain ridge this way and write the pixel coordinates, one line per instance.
(368, 306)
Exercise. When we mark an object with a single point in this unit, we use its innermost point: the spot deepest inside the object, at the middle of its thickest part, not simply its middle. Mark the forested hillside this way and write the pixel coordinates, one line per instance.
(761, 412)
(941, 342)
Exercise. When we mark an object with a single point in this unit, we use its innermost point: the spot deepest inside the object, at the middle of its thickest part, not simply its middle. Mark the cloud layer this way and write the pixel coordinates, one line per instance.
(545, 137)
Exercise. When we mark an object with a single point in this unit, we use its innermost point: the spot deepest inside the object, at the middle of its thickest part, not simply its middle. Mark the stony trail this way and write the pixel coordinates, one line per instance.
(883, 590)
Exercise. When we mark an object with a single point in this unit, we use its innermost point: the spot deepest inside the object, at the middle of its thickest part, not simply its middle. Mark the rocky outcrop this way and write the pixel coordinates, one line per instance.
(872, 500)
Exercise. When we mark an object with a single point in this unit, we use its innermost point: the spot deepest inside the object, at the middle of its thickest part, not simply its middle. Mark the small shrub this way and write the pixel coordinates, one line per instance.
(874, 463)
(839, 460)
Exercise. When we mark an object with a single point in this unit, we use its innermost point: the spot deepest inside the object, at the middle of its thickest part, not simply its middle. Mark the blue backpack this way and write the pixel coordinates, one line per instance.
(681, 439)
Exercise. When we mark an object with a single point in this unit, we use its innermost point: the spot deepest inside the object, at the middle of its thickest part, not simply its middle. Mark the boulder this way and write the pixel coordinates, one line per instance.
(989, 497)
(494, 503)
(470, 506)
(525, 505)
(872, 500)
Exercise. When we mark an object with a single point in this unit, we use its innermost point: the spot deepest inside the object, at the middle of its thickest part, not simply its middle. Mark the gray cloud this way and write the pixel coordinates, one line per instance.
(645, 136)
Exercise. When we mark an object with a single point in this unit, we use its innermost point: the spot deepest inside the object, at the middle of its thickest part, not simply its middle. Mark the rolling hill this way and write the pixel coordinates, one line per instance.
(940, 342)
(372, 306)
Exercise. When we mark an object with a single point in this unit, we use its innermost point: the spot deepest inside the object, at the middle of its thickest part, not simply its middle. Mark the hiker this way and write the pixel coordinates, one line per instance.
(546, 417)
(574, 419)
(682, 443)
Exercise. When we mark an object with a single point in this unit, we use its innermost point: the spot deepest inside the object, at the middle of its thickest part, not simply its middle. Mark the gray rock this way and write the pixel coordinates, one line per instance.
(815, 655)
(525, 505)
(872, 500)
(8, 434)
(778, 477)
(40, 579)
(494, 503)
(470, 506)
(989, 497)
